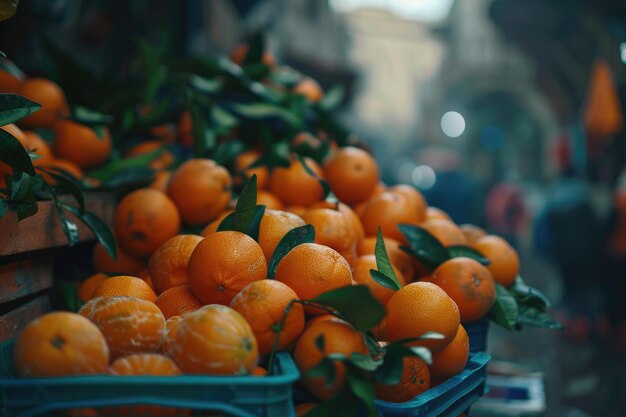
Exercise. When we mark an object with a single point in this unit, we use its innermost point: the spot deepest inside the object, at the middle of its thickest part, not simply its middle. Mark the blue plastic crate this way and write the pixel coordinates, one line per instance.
(477, 332)
(449, 399)
(241, 396)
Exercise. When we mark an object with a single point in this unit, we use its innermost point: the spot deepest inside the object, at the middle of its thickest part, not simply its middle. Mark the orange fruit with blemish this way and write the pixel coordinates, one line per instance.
(177, 301)
(144, 220)
(215, 340)
(168, 263)
(129, 324)
(222, 264)
(414, 380)
(124, 285)
(263, 304)
(60, 344)
(201, 190)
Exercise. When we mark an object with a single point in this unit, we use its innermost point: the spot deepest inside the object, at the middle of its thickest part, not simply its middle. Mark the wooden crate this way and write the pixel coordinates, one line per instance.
(26, 259)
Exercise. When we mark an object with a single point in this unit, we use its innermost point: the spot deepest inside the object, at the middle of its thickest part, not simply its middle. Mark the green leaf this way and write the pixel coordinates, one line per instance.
(261, 111)
(384, 280)
(365, 362)
(532, 316)
(424, 246)
(320, 343)
(252, 231)
(69, 296)
(291, 239)
(205, 85)
(355, 304)
(256, 47)
(504, 311)
(225, 152)
(390, 371)
(117, 167)
(246, 205)
(203, 137)
(8, 9)
(325, 185)
(286, 76)
(223, 118)
(333, 98)
(90, 118)
(139, 176)
(529, 295)
(4, 207)
(68, 183)
(467, 252)
(2, 54)
(99, 228)
(383, 264)
(363, 389)
(154, 72)
(8, 66)
(25, 207)
(20, 185)
(13, 153)
(69, 228)
(14, 108)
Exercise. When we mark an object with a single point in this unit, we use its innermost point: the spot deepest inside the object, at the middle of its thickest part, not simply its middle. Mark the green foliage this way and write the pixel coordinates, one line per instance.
(467, 252)
(293, 238)
(424, 246)
(384, 275)
(247, 215)
(14, 108)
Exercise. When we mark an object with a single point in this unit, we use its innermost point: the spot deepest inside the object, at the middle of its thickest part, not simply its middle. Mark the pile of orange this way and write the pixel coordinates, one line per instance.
(202, 303)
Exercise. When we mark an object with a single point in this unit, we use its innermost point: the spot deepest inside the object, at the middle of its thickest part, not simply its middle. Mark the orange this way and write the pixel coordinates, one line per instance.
(161, 180)
(387, 210)
(81, 144)
(339, 337)
(316, 319)
(297, 210)
(163, 161)
(9, 83)
(352, 174)
(295, 186)
(262, 304)
(452, 359)
(310, 89)
(422, 307)
(215, 340)
(258, 371)
(169, 337)
(347, 212)
(145, 275)
(415, 199)
(469, 284)
(446, 232)
(124, 285)
(238, 55)
(212, 227)
(165, 133)
(380, 331)
(302, 409)
(415, 379)
(185, 129)
(334, 230)
(222, 264)
(125, 263)
(90, 285)
(504, 259)
(361, 274)
(311, 269)
(168, 264)
(201, 190)
(274, 226)
(144, 220)
(39, 147)
(51, 98)
(436, 213)
(472, 233)
(151, 364)
(129, 324)
(243, 172)
(60, 343)
(397, 256)
(177, 301)
(269, 200)
(63, 165)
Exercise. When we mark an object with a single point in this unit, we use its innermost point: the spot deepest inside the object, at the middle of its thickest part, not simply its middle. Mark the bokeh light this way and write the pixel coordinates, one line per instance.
(424, 177)
(452, 124)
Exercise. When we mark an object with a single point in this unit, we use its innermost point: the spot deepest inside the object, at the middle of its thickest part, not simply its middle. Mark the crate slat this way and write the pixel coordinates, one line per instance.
(14, 321)
(43, 230)
(25, 277)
